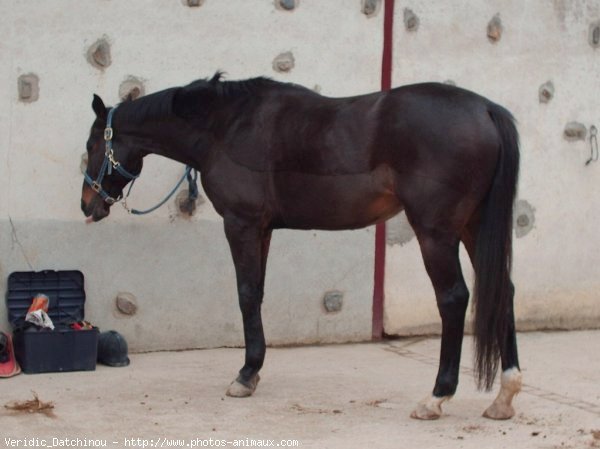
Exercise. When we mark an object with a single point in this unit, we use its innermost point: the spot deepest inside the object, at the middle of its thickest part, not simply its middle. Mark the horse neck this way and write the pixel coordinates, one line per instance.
(171, 138)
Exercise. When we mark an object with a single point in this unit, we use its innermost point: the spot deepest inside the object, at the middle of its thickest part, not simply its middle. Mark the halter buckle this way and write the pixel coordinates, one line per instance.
(108, 133)
(96, 187)
(110, 200)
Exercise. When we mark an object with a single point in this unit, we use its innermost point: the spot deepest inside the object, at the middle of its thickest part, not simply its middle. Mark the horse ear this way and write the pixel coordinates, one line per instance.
(99, 108)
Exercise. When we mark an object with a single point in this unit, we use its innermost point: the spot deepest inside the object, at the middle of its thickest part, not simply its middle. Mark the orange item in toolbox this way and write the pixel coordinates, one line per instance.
(40, 302)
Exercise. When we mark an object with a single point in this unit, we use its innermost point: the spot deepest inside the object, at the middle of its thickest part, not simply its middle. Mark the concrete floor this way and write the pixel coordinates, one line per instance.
(343, 396)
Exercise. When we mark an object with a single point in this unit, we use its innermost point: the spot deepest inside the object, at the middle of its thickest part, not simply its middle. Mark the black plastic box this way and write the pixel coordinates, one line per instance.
(45, 350)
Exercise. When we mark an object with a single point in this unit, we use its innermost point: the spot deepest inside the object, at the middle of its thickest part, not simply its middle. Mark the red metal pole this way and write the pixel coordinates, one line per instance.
(386, 84)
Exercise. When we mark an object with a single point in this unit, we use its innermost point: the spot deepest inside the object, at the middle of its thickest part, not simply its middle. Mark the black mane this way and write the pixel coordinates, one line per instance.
(152, 106)
(234, 89)
(160, 104)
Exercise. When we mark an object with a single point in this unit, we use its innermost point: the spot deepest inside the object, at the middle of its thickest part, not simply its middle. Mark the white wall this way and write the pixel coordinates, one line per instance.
(556, 265)
(179, 269)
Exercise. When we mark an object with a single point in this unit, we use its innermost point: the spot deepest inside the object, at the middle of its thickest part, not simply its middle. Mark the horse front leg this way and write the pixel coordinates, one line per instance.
(249, 244)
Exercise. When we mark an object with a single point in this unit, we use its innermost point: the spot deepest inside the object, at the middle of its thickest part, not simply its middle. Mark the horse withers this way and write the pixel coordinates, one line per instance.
(275, 155)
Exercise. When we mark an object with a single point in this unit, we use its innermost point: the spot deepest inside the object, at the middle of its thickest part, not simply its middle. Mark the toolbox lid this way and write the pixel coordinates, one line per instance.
(64, 288)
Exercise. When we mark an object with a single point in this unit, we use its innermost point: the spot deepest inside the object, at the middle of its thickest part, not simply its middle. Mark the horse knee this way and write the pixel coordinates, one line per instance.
(250, 298)
(453, 303)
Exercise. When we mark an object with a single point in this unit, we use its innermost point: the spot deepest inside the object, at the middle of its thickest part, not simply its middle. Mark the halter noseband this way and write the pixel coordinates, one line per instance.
(108, 164)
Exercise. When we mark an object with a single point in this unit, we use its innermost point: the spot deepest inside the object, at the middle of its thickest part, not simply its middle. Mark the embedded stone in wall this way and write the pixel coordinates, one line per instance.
(594, 34)
(317, 88)
(193, 3)
(398, 230)
(286, 5)
(494, 29)
(133, 87)
(450, 82)
(575, 131)
(28, 86)
(546, 92)
(126, 303)
(84, 162)
(187, 206)
(284, 62)
(524, 218)
(370, 8)
(333, 301)
(411, 20)
(99, 54)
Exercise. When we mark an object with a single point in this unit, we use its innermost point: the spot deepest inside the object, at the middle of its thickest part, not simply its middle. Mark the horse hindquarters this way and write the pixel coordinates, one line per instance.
(439, 222)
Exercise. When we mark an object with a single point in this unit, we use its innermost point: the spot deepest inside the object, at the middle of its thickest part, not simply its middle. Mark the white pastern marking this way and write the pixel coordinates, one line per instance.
(511, 381)
(430, 407)
(433, 402)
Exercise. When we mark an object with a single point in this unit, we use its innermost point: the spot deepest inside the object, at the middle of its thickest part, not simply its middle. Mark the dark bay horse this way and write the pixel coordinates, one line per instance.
(275, 155)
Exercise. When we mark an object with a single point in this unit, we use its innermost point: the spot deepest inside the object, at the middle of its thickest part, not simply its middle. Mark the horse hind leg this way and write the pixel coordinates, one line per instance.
(440, 255)
(511, 378)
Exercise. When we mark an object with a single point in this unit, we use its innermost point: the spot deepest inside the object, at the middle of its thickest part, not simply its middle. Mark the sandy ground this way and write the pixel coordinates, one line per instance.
(343, 396)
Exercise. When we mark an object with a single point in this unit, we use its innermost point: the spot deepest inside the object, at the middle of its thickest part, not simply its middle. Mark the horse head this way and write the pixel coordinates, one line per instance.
(113, 162)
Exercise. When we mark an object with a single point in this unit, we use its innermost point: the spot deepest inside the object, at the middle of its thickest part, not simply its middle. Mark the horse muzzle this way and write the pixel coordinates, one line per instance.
(93, 206)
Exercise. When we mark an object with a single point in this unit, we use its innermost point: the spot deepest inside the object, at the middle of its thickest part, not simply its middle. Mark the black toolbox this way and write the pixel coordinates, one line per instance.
(44, 350)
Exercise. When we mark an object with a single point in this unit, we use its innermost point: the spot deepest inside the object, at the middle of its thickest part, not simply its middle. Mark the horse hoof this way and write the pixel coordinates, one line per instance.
(428, 409)
(424, 413)
(499, 411)
(239, 390)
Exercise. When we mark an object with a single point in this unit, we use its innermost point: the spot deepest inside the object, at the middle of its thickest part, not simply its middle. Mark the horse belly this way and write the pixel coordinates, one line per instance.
(334, 202)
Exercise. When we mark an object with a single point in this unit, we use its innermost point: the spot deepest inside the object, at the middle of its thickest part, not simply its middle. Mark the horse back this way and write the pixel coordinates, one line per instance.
(409, 127)
(303, 132)
(338, 163)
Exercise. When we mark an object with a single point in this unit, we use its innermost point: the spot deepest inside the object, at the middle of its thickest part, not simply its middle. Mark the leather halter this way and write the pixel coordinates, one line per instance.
(108, 164)
(111, 163)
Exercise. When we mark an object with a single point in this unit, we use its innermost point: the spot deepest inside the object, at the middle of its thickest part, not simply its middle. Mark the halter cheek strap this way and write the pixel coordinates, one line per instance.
(108, 164)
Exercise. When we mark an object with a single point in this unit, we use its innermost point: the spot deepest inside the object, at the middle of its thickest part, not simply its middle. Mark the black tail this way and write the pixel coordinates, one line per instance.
(493, 255)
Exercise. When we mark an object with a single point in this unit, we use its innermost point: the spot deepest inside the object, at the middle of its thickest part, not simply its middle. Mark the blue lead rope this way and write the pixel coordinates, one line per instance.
(192, 192)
